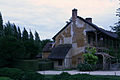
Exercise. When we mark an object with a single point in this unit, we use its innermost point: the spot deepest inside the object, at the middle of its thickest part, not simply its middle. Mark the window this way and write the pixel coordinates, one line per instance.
(59, 62)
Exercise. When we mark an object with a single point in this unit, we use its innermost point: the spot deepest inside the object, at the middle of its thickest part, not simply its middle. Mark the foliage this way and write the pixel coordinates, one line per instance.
(15, 32)
(31, 75)
(31, 36)
(8, 30)
(11, 49)
(13, 73)
(18, 74)
(25, 35)
(19, 33)
(90, 56)
(31, 50)
(27, 65)
(37, 39)
(45, 65)
(84, 67)
(84, 77)
(43, 43)
(5, 78)
(1, 25)
(91, 50)
(1, 22)
(16, 45)
(62, 76)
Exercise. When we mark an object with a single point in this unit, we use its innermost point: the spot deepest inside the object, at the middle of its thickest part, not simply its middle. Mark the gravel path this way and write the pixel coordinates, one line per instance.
(79, 72)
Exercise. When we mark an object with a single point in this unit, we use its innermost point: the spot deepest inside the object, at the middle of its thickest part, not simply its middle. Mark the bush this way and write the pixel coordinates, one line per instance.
(84, 67)
(5, 78)
(83, 77)
(31, 75)
(13, 73)
(45, 65)
(62, 76)
(27, 64)
(90, 56)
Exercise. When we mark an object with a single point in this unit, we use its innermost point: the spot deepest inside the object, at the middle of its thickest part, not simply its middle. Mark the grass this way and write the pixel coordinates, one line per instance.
(85, 77)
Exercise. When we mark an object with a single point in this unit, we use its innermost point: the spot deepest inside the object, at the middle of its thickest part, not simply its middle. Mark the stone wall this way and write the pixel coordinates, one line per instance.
(63, 36)
(75, 34)
(45, 55)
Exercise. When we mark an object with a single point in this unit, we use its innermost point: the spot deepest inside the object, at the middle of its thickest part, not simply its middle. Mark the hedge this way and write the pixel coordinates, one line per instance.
(32, 75)
(66, 76)
(45, 65)
(13, 73)
(18, 74)
(34, 65)
(27, 65)
(5, 78)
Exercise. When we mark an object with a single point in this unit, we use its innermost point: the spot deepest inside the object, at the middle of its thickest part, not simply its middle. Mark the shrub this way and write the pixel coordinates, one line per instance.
(90, 56)
(27, 64)
(13, 73)
(5, 78)
(45, 65)
(84, 67)
(62, 76)
(31, 75)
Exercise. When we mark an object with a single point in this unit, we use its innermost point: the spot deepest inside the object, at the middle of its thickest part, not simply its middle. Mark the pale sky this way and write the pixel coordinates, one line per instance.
(47, 17)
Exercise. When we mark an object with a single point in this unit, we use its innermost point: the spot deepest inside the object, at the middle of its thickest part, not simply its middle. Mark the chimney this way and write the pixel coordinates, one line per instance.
(89, 20)
(74, 15)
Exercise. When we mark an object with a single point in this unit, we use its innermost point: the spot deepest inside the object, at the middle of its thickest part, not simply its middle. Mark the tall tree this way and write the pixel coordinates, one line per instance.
(1, 22)
(31, 36)
(19, 33)
(37, 38)
(15, 31)
(11, 49)
(8, 31)
(1, 25)
(25, 35)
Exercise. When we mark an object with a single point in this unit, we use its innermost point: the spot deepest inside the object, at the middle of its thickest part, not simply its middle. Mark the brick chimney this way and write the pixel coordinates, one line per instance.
(89, 20)
(74, 15)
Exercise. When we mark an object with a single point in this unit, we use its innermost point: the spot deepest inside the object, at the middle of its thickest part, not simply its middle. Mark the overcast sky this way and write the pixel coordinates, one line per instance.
(47, 17)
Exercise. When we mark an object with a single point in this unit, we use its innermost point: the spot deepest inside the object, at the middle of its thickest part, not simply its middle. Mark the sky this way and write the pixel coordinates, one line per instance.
(47, 17)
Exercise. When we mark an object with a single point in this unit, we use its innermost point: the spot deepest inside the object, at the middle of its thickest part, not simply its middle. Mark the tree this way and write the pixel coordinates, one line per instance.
(25, 35)
(31, 49)
(1, 22)
(8, 31)
(1, 25)
(11, 49)
(31, 36)
(37, 38)
(44, 42)
(19, 33)
(15, 31)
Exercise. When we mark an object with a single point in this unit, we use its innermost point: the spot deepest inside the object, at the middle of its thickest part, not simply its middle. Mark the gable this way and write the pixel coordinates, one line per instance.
(89, 27)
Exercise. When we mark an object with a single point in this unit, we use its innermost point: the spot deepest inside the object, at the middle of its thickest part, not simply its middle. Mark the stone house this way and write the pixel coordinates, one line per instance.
(73, 39)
